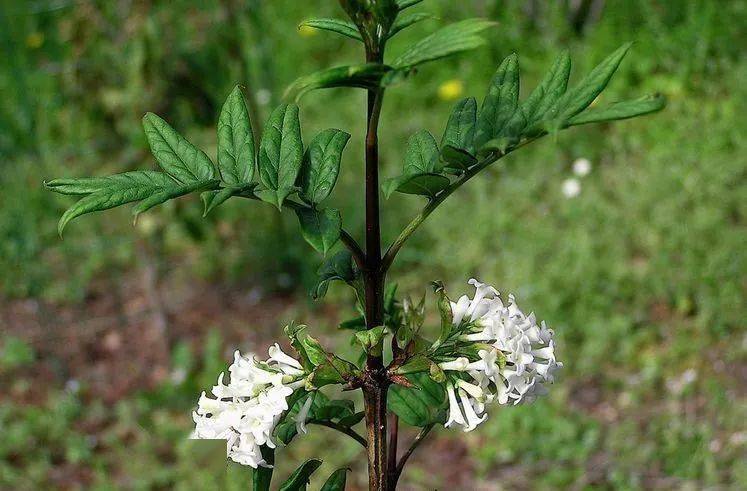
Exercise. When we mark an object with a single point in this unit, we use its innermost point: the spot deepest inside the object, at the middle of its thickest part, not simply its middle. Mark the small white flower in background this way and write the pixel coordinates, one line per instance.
(581, 167)
(571, 187)
(263, 97)
(245, 411)
(520, 361)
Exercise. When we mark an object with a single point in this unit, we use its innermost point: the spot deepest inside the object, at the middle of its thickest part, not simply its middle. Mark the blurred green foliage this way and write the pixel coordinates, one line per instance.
(641, 275)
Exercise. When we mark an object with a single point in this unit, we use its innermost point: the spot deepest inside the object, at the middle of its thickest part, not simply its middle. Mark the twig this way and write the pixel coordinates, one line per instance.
(394, 248)
(342, 429)
(415, 443)
(347, 239)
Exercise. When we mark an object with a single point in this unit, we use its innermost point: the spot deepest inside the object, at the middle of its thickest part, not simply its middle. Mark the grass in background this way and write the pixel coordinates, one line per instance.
(641, 275)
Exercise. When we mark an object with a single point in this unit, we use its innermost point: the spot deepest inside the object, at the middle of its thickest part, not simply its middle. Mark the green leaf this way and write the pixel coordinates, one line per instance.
(292, 331)
(353, 419)
(262, 476)
(336, 481)
(335, 410)
(417, 363)
(338, 267)
(417, 406)
(300, 477)
(280, 154)
(334, 25)
(333, 371)
(356, 324)
(370, 338)
(421, 184)
(286, 431)
(366, 76)
(315, 351)
(321, 165)
(109, 192)
(549, 91)
(452, 39)
(171, 193)
(620, 110)
(320, 228)
(422, 153)
(406, 21)
(403, 4)
(460, 129)
(133, 180)
(578, 98)
(501, 101)
(213, 199)
(176, 156)
(236, 158)
(457, 160)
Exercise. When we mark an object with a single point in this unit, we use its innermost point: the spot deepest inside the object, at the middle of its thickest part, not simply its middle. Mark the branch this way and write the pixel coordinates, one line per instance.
(415, 443)
(342, 429)
(349, 242)
(394, 248)
(347, 239)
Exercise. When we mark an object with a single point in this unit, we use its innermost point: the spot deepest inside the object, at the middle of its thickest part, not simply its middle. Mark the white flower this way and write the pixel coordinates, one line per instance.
(520, 362)
(246, 410)
(303, 415)
(581, 167)
(469, 412)
(458, 365)
(571, 187)
(455, 412)
(263, 97)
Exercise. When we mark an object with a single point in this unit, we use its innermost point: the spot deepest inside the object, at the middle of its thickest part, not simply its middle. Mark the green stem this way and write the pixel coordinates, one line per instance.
(411, 227)
(342, 429)
(415, 443)
(347, 239)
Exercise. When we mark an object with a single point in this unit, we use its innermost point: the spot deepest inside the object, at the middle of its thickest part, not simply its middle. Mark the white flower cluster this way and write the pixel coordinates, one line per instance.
(527, 348)
(246, 410)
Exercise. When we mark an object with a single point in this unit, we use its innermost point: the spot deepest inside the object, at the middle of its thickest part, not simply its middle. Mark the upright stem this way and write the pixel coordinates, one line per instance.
(376, 382)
